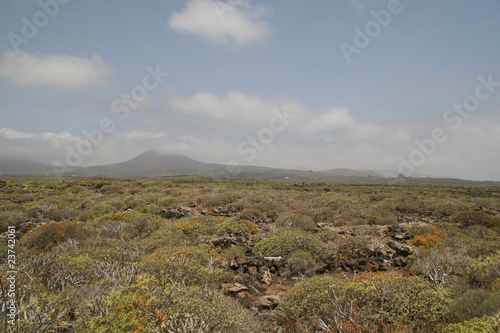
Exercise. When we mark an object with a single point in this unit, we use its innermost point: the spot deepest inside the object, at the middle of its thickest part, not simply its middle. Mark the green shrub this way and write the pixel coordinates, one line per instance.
(253, 215)
(103, 208)
(234, 251)
(485, 324)
(48, 235)
(146, 306)
(285, 242)
(129, 224)
(474, 303)
(74, 189)
(296, 221)
(237, 227)
(446, 207)
(379, 304)
(188, 265)
(407, 203)
(201, 225)
(468, 218)
(11, 218)
(484, 271)
(302, 262)
(348, 247)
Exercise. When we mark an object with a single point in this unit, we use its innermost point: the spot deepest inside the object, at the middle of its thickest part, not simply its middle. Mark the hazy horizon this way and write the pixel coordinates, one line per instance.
(393, 85)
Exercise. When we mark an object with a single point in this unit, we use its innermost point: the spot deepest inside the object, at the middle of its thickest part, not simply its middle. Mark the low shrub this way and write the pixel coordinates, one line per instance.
(146, 306)
(429, 240)
(348, 247)
(302, 263)
(201, 225)
(468, 218)
(51, 234)
(11, 218)
(383, 303)
(285, 242)
(296, 221)
(253, 215)
(473, 303)
(484, 271)
(188, 266)
(485, 324)
(446, 207)
(237, 227)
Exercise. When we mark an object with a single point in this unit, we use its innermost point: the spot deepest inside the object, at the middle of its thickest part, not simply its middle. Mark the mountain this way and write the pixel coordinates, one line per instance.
(22, 168)
(147, 164)
(153, 164)
(342, 172)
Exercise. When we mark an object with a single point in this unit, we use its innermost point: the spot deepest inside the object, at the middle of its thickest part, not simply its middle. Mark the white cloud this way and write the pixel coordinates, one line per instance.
(236, 108)
(55, 71)
(469, 152)
(234, 22)
(334, 119)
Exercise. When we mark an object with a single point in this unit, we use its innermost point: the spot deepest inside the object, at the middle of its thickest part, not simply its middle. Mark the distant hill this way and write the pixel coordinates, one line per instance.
(342, 172)
(147, 164)
(21, 167)
(153, 164)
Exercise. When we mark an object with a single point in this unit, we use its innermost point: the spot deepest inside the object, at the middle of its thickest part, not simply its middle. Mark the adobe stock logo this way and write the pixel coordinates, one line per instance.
(223, 8)
(121, 106)
(31, 26)
(258, 142)
(372, 29)
(454, 117)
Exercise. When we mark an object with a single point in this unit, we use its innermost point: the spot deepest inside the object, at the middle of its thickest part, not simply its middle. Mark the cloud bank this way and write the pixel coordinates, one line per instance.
(54, 71)
(234, 22)
(278, 132)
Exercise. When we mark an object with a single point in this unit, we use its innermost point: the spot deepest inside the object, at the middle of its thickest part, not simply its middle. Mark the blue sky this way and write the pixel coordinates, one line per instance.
(232, 65)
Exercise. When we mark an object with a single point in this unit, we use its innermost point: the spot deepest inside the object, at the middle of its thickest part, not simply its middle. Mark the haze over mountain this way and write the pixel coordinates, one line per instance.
(10, 166)
(153, 164)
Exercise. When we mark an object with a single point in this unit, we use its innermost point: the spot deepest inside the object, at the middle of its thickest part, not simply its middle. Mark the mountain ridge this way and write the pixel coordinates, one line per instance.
(151, 163)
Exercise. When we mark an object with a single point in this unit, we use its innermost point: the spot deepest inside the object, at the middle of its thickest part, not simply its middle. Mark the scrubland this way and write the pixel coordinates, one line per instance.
(203, 255)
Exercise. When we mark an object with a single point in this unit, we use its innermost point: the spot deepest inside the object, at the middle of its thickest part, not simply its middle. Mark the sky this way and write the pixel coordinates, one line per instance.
(405, 86)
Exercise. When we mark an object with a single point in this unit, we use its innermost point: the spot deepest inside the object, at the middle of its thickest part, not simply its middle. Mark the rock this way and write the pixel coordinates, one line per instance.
(223, 242)
(171, 214)
(243, 295)
(267, 302)
(380, 249)
(276, 289)
(400, 248)
(244, 260)
(252, 270)
(321, 268)
(353, 264)
(233, 288)
(400, 261)
(273, 258)
(234, 264)
(262, 269)
(385, 266)
(372, 267)
(401, 237)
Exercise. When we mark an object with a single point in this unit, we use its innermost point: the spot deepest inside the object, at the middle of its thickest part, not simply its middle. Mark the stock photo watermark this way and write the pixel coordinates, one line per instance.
(224, 8)
(121, 106)
(30, 26)
(372, 29)
(11, 308)
(258, 141)
(453, 117)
